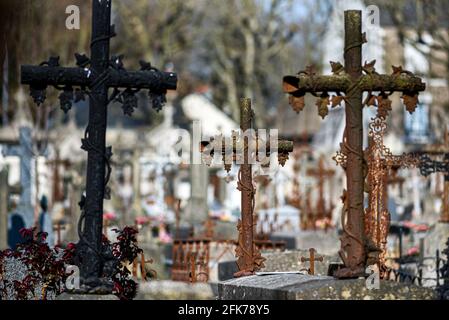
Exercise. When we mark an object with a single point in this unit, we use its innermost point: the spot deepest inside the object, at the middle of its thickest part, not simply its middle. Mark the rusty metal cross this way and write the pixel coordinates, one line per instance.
(321, 174)
(349, 82)
(312, 259)
(249, 259)
(58, 227)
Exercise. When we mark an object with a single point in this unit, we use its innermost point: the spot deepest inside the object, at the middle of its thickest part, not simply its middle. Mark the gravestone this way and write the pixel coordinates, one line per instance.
(198, 211)
(4, 199)
(25, 152)
(305, 287)
(285, 261)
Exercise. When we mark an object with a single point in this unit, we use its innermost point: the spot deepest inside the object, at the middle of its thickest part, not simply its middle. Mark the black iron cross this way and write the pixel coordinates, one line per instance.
(94, 77)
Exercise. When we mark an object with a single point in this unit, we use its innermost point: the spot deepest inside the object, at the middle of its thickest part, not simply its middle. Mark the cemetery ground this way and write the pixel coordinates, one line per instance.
(205, 204)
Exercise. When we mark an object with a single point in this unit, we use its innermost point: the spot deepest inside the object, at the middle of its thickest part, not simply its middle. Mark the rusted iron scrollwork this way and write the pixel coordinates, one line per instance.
(379, 163)
(348, 83)
(190, 260)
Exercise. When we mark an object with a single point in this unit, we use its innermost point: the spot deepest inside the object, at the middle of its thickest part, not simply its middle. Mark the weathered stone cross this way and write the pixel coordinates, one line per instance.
(95, 76)
(248, 142)
(349, 83)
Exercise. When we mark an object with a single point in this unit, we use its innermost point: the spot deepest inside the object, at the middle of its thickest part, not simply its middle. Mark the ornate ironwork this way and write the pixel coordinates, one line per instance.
(237, 148)
(353, 82)
(380, 164)
(429, 166)
(190, 260)
(143, 271)
(93, 77)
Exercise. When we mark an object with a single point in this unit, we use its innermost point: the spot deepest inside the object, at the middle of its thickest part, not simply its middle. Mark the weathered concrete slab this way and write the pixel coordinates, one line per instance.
(174, 290)
(304, 287)
(285, 261)
(269, 287)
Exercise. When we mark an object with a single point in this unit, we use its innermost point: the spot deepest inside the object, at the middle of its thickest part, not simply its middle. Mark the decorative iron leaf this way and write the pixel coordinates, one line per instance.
(38, 94)
(336, 100)
(336, 67)
(368, 67)
(85, 144)
(396, 70)
(383, 106)
(322, 104)
(108, 152)
(129, 102)
(82, 202)
(66, 98)
(371, 100)
(117, 63)
(145, 66)
(310, 70)
(297, 103)
(157, 100)
(53, 62)
(81, 60)
(410, 101)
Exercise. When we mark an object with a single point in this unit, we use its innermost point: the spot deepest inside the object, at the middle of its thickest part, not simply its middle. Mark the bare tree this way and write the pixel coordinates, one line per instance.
(424, 25)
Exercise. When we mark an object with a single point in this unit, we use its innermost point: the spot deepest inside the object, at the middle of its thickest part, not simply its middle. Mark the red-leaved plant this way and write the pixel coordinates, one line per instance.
(126, 251)
(46, 266)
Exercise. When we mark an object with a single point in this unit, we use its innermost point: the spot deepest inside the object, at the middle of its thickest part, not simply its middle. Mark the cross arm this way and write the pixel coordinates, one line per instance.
(341, 83)
(117, 78)
(54, 76)
(284, 147)
(428, 166)
(207, 148)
